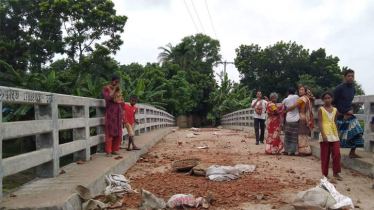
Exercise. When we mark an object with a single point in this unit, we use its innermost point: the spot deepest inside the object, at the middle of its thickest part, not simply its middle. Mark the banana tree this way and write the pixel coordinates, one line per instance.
(94, 87)
(229, 97)
(32, 81)
(147, 93)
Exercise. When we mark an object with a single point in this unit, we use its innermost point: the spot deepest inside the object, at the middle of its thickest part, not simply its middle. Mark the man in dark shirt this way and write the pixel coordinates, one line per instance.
(349, 129)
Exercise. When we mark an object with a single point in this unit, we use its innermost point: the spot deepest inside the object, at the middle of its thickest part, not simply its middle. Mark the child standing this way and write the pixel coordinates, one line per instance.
(329, 139)
(129, 119)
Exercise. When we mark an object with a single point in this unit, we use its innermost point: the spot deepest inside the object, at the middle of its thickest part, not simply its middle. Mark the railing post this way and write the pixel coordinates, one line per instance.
(368, 145)
(143, 119)
(49, 140)
(137, 132)
(100, 129)
(81, 133)
(87, 128)
(1, 151)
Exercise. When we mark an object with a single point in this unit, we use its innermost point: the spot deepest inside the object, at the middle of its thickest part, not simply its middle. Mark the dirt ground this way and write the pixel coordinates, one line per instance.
(276, 180)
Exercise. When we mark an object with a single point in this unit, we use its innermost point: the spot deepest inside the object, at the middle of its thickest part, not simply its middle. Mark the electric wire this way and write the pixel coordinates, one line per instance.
(211, 20)
(198, 16)
(191, 16)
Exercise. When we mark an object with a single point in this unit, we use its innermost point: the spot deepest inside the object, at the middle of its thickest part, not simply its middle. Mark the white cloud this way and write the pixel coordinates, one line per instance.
(343, 28)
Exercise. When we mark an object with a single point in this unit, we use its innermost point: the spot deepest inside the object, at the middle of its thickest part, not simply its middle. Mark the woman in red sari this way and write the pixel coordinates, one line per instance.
(113, 116)
(274, 145)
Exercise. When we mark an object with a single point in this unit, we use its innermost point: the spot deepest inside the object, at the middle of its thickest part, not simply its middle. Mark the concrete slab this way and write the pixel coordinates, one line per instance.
(58, 192)
(364, 165)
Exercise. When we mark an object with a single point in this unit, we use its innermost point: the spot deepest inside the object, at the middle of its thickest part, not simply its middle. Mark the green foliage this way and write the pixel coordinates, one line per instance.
(312, 84)
(180, 95)
(195, 55)
(30, 35)
(229, 97)
(283, 65)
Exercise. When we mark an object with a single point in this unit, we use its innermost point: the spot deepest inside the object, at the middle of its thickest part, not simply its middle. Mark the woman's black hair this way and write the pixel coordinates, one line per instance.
(326, 93)
(115, 77)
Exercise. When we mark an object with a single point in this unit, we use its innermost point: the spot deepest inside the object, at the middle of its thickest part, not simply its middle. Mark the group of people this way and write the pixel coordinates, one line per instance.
(114, 117)
(338, 126)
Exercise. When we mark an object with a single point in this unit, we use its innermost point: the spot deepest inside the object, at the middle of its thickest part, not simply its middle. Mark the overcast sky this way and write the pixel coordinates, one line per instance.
(344, 28)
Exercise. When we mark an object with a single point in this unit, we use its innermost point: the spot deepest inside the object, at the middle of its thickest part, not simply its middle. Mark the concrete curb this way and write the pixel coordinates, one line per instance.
(98, 186)
(354, 164)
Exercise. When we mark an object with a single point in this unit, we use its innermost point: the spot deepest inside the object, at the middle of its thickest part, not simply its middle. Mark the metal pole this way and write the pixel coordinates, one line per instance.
(224, 66)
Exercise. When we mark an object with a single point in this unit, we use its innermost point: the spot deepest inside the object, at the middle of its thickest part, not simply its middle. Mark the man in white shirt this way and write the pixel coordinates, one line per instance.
(259, 119)
(292, 123)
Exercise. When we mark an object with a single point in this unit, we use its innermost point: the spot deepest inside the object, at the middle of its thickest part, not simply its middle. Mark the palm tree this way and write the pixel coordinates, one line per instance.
(167, 54)
(182, 54)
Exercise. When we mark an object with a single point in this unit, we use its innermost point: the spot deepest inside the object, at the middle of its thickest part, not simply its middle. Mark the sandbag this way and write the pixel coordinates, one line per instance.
(200, 170)
(324, 196)
(182, 200)
(222, 173)
(313, 199)
(150, 201)
(245, 168)
(342, 202)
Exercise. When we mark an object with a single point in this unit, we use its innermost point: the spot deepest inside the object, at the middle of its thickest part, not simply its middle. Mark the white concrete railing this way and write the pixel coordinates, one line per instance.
(244, 117)
(47, 125)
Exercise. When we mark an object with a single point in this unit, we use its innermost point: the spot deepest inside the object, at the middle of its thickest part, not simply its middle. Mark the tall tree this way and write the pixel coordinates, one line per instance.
(196, 56)
(282, 65)
(30, 34)
(92, 31)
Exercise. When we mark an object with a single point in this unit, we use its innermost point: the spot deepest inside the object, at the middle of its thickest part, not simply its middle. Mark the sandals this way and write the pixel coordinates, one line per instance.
(337, 177)
(108, 155)
(115, 153)
(284, 153)
(134, 148)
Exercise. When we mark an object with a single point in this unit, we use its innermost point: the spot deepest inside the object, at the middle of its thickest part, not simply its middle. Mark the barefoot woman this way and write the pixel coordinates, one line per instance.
(113, 116)
(306, 122)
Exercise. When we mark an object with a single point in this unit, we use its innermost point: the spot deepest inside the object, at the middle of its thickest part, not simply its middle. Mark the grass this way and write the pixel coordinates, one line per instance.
(362, 124)
(16, 180)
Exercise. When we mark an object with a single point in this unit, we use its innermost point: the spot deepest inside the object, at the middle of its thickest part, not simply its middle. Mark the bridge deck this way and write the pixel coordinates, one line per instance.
(58, 192)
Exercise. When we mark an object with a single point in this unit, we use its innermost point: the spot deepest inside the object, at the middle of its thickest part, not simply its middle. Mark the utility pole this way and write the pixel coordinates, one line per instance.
(224, 68)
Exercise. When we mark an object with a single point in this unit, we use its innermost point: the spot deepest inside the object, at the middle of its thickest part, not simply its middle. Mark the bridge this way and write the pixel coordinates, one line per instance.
(47, 125)
(54, 186)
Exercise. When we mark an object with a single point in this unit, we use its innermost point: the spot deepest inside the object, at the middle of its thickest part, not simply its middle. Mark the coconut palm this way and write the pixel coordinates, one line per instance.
(182, 54)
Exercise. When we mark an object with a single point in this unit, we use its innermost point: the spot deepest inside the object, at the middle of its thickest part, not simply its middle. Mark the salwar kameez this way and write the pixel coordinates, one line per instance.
(331, 147)
(113, 121)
